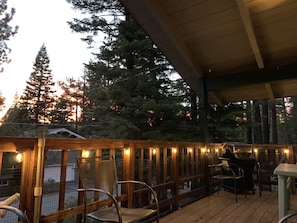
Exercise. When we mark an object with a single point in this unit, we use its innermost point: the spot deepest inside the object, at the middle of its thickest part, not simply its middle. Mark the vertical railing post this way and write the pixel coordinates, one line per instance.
(158, 167)
(62, 188)
(39, 177)
(28, 182)
(129, 171)
(175, 176)
(165, 165)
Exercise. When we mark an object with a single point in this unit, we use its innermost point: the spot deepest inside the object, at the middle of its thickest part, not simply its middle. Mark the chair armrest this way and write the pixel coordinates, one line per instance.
(216, 165)
(17, 211)
(143, 184)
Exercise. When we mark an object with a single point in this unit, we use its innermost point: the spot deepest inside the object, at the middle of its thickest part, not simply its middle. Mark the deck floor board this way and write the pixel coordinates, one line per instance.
(222, 208)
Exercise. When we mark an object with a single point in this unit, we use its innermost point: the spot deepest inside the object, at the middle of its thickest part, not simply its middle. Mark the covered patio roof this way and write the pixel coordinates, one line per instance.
(235, 49)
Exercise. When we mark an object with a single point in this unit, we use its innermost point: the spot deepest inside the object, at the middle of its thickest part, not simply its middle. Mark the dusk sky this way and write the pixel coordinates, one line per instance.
(42, 21)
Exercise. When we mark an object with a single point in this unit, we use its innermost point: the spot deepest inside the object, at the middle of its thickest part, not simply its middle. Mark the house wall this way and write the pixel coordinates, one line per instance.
(53, 172)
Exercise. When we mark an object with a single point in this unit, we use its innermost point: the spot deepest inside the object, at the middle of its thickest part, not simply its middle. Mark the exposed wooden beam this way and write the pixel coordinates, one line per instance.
(179, 41)
(246, 19)
(246, 78)
(269, 92)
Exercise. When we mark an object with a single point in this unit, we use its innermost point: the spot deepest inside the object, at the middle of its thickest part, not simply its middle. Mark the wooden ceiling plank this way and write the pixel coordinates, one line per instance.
(250, 31)
(269, 91)
(172, 6)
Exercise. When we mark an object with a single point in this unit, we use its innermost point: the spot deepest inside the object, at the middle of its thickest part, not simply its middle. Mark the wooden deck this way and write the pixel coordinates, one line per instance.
(221, 207)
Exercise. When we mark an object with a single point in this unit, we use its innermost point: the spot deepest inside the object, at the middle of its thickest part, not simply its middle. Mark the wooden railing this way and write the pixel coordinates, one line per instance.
(176, 170)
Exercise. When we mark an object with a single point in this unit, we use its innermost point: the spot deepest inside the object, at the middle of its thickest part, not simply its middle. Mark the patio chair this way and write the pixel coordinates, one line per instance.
(292, 217)
(98, 177)
(228, 175)
(16, 211)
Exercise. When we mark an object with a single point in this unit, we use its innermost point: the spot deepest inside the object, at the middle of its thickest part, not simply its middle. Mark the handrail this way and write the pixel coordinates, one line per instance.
(183, 166)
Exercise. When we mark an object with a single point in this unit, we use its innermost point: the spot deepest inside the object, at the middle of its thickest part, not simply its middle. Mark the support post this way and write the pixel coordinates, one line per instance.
(39, 177)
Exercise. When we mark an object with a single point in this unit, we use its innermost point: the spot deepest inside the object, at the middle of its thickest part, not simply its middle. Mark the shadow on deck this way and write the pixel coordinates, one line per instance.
(221, 207)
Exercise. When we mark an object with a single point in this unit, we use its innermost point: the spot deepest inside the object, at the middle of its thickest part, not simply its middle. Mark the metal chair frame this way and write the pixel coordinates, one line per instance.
(288, 217)
(103, 168)
(16, 211)
(222, 172)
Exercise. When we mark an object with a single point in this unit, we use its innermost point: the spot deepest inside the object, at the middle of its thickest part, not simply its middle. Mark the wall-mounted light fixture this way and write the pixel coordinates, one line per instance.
(154, 151)
(19, 157)
(127, 151)
(203, 150)
(85, 153)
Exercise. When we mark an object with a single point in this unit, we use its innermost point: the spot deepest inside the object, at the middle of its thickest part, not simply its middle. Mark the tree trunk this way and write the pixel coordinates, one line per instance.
(258, 126)
(273, 123)
(194, 106)
(265, 122)
(249, 134)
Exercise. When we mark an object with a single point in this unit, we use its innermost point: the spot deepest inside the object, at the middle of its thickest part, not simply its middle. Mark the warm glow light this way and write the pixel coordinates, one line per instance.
(286, 151)
(19, 157)
(216, 150)
(127, 152)
(203, 150)
(190, 150)
(154, 151)
(255, 150)
(85, 153)
(174, 150)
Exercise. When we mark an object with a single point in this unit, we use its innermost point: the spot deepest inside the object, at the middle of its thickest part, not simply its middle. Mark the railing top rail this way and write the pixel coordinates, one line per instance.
(11, 143)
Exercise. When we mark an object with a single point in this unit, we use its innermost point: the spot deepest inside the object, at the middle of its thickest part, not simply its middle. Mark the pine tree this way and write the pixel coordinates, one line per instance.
(37, 102)
(127, 84)
(6, 30)
(70, 103)
(2, 100)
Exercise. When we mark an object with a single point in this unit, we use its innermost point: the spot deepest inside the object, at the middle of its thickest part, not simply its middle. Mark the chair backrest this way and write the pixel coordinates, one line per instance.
(98, 172)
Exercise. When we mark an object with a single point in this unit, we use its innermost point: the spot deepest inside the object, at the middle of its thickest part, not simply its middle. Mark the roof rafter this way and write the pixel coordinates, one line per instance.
(248, 78)
(246, 19)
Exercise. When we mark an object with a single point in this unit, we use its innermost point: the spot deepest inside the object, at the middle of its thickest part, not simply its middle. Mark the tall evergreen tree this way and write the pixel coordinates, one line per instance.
(128, 85)
(258, 125)
(293, 120)
(228, 122)
(265, 122)
(69, 104)
(274, 135)
(6, 30)
(2, 100)
(37, 102)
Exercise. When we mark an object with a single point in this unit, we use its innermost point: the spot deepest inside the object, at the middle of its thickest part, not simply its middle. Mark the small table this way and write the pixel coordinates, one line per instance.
(285, 172)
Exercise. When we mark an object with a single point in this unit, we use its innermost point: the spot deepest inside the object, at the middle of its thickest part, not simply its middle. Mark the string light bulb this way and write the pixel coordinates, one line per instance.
(127, 151)
(85, 153)
(154, 151)
(19, 157)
